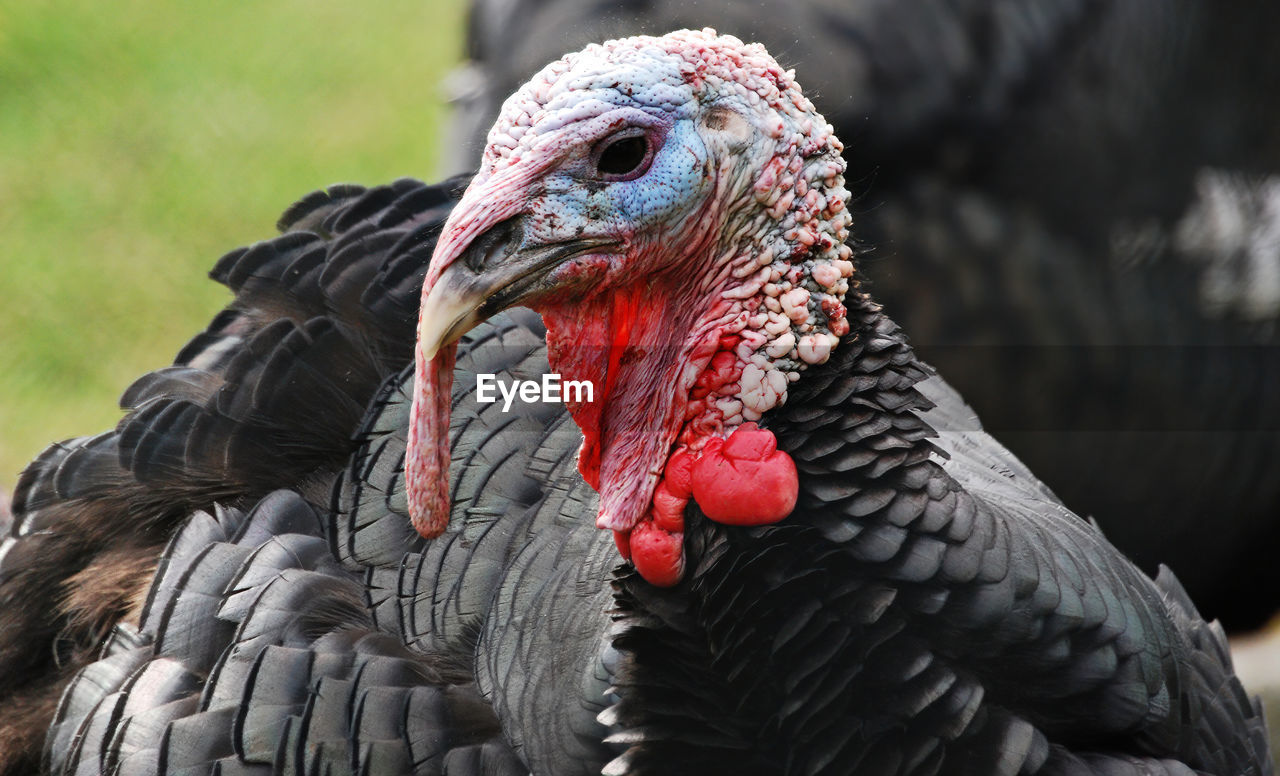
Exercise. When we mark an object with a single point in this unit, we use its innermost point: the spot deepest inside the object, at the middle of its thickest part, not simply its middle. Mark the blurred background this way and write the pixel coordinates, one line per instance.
(141, 141)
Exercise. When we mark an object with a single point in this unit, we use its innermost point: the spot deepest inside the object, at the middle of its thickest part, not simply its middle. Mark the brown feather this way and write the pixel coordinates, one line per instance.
(27, 714)
(111, 589)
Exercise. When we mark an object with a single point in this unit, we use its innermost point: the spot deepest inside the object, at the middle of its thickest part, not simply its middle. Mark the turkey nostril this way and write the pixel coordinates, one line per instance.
(495, 245)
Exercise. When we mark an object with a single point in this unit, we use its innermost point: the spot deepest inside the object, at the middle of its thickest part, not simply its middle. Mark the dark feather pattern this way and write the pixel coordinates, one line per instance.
(1068, 204)
(220, 425)
(964, 621)
(929, 608)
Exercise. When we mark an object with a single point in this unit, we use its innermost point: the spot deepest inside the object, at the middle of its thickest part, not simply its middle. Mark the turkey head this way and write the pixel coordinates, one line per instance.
(675, 209)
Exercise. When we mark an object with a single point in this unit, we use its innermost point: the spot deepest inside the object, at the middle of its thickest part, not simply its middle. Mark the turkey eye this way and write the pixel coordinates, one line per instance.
(623, 157)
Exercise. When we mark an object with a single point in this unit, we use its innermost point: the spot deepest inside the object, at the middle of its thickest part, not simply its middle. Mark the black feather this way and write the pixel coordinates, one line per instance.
(1068, 206)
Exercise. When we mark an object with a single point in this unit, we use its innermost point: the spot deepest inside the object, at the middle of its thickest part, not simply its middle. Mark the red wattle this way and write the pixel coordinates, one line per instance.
(622, 540)
(679, 472)
(657, 554)
(746, 479)
(668, 509)
(589, 460)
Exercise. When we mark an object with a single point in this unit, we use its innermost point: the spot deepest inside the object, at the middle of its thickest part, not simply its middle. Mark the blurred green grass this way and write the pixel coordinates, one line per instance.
(139, 141)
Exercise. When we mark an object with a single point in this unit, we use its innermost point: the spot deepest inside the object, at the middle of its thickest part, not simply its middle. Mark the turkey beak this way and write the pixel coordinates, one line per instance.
(499, 269)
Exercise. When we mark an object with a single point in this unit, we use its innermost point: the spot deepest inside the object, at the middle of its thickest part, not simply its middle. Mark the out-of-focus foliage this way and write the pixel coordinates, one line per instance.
(141, 140)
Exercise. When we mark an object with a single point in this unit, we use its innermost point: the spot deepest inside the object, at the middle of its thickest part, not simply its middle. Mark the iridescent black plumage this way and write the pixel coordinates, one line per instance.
(929, 608)
(1042, 183)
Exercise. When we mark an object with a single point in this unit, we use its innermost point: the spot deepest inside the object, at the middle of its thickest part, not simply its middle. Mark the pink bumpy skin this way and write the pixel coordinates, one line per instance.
(723, 281)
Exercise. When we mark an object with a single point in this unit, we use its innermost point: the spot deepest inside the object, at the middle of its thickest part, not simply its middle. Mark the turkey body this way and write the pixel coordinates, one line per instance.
(1033, 177)
(930, 607)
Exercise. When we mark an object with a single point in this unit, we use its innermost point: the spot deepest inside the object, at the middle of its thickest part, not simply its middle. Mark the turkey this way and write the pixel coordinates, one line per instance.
(1053, 189)
(903, 596)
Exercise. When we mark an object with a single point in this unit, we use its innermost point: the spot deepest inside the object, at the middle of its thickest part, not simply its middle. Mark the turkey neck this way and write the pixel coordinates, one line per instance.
(918, 585)
(852, 427)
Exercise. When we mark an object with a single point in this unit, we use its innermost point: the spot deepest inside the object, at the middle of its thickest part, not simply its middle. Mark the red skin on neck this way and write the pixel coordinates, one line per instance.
(643, 450)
